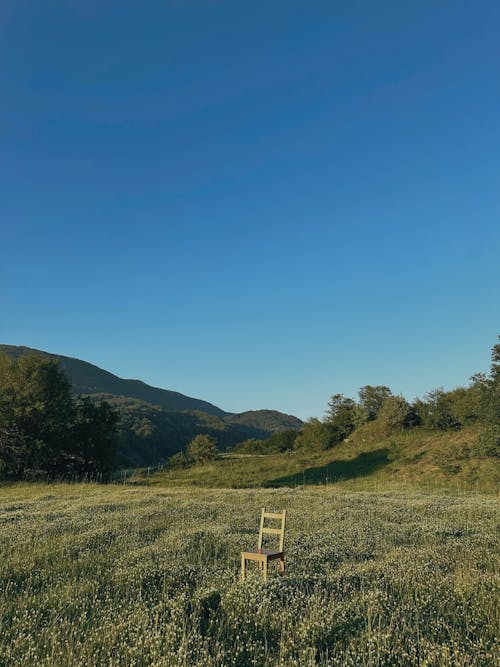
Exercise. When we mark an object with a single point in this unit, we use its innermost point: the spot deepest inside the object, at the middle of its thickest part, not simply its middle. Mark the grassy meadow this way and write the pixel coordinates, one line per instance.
(149, 575)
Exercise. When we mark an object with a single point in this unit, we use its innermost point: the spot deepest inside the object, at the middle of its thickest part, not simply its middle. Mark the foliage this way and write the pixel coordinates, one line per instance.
(436, 411)
(343, 416)
(282, 441)
(368, 459)
(465, 404)
(264, 422)
(149, 434)
(396, 414)
(279, 442)
(251, 446)
(94, 430)
(155, 423)
(43, 429)
(488, 443)
(178, 461)
(36, 405)
(371, 399)
(315, 436)
(146, 576)
(201, 449)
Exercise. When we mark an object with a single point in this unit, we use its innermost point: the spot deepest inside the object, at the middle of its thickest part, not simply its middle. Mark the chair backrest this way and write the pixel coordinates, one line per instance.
(278, 516)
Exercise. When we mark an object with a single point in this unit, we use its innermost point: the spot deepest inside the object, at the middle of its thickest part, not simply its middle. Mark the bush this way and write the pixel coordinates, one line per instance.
(202, 448)
(436, 411)
(178, 461)
(343, 416)
(488, 442)
(250, 446)
(315, 436)
(396, 414)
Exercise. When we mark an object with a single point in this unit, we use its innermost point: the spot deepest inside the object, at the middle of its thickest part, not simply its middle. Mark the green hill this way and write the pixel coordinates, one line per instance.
(155, 423)
(417, 457)
(86, 378)
(264, 421)
(149, 433)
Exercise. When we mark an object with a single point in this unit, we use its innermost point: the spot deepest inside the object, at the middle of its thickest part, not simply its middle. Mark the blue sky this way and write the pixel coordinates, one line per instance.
(256, 203)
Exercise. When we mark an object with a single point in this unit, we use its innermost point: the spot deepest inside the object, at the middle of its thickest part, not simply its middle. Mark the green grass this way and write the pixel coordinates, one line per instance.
(367, 461)
(147, 575)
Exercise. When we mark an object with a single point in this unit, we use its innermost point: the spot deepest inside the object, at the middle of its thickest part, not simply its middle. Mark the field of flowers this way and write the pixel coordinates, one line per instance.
(119, 575)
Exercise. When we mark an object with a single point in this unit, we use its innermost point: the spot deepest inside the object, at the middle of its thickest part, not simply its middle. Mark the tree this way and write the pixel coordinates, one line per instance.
(201, 449)
(178, 461)
(43, 430)
(436, 411)
(12, 452)
(36, 404)
(396, 414)
(371, 399)
(144, 428)
(489, 440)
(465, 403)
(251, 446)
(343, 416)
(315, 436)
(281, 441)
(94, 432)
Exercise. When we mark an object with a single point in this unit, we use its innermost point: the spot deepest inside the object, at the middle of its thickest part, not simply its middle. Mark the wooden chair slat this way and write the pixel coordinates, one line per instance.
(272, 531)
(274, 515)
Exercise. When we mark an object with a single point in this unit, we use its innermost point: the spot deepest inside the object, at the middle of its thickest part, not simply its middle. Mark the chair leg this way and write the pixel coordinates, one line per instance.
(264, 569)
(282, 566)
(243, 563)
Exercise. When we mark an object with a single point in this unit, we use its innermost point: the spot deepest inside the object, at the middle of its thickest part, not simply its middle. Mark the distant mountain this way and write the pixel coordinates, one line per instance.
(149, 433)
(89, 379)
(156, 423)
(267, 420)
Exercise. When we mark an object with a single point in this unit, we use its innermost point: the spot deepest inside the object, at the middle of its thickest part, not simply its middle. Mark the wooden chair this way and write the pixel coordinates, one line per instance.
(263, 556)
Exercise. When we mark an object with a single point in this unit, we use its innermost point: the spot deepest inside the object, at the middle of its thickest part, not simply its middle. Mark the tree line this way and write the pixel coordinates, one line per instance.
(45, 432)
(438, 410)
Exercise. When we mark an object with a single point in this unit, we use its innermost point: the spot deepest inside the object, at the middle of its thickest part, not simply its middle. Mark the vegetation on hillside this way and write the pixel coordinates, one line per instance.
(383, 415)
(416, 458)
(150, 435)
(89, 379)
(156, 423)
(44, 430)
(264, 421)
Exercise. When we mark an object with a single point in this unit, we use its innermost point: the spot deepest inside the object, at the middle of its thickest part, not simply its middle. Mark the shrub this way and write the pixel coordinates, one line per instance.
(202, 448)
(396, 414)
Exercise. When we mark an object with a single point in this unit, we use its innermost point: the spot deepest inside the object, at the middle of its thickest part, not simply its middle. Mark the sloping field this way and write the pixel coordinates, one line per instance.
(366, 461)
(114, 575)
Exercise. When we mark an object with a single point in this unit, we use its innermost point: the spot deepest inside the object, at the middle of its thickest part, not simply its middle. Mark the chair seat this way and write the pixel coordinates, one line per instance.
(262, 554)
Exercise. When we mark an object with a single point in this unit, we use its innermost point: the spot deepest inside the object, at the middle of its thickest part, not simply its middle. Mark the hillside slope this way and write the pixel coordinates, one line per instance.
(149, 434)
(268, 421)
(156, 423)
(416, 457)
(86, 378)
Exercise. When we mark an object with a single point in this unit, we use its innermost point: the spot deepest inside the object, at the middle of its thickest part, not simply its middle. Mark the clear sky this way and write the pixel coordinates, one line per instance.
(255, 203)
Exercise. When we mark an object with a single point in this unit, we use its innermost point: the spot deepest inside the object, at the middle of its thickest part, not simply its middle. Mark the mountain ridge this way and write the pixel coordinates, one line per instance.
(88, 378)
(132, 397)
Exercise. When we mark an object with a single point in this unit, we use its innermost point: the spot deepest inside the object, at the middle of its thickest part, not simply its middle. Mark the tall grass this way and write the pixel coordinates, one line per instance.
(93, 575)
